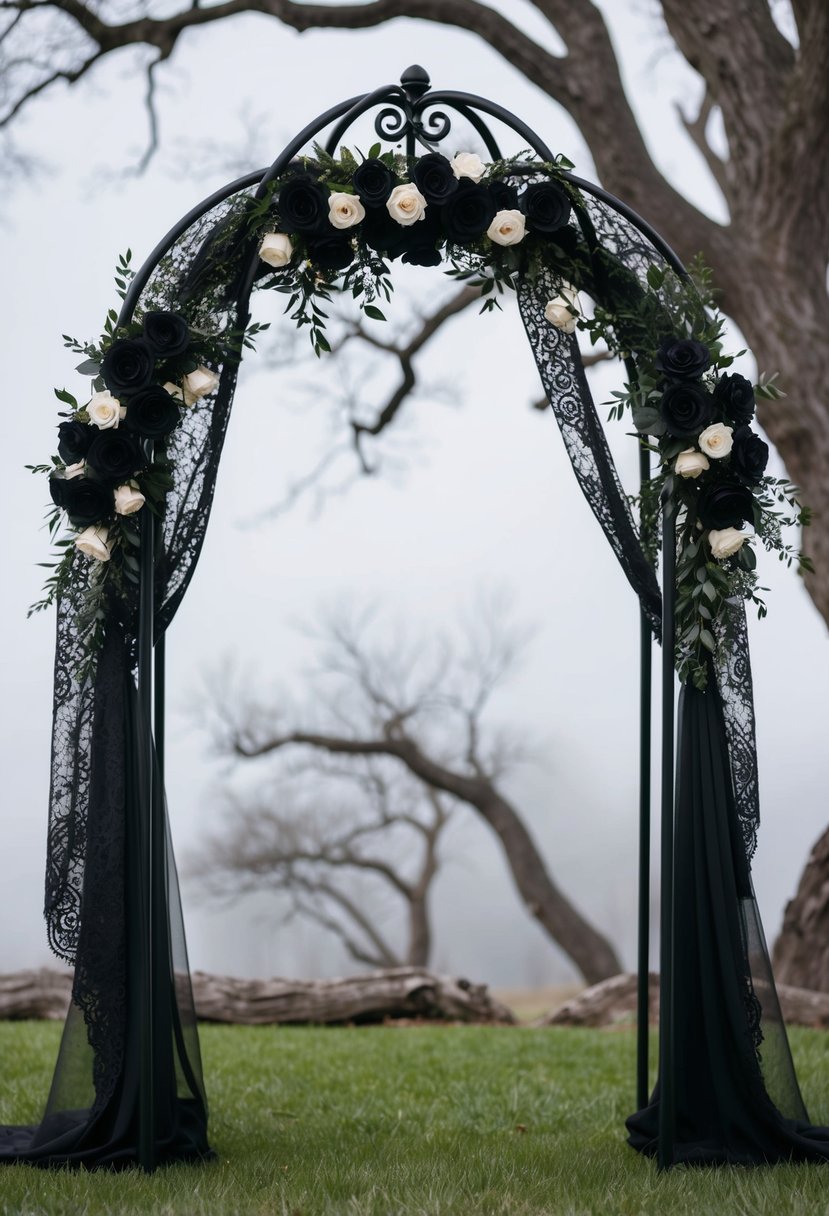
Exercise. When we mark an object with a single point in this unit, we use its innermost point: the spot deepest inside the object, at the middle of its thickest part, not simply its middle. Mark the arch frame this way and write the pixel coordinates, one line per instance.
(404, 116)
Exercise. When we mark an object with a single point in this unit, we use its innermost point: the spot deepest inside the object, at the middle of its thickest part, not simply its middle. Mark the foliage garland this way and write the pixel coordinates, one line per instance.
(333, 225)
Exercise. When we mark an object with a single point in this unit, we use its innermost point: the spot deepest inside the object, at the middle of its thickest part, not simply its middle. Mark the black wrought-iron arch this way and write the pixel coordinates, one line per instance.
(413, 114)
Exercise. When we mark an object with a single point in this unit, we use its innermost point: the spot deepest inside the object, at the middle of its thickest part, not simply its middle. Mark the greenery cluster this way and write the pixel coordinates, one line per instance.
(417, 1121)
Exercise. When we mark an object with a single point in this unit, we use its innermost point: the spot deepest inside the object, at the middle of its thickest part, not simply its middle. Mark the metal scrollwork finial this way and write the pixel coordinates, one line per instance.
(405, 117)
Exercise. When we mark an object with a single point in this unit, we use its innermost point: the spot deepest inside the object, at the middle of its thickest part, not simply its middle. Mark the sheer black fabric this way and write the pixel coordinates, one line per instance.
(91, 1116)
(737, 1098)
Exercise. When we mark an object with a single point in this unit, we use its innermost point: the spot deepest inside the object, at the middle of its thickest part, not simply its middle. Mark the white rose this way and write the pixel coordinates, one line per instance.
(94, 542)
(128, 499)
(725, 541)
(507, 228)
(468, 164)
(345, 210)
(74, 470)
(276, 249)
(105, 411)
(194, 385)
(691, 463)
(406, 204)
(716, 440)
(560, 310)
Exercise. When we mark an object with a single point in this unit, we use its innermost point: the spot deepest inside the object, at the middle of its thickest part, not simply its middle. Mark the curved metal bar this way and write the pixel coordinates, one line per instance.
(472, 100)
(482, 129)
(363, 103)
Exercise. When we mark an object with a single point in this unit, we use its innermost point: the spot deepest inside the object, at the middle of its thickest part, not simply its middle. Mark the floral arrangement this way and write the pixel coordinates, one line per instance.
(331, 225)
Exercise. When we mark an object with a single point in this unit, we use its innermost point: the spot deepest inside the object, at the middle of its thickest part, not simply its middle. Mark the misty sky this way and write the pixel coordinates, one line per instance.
(475, 493)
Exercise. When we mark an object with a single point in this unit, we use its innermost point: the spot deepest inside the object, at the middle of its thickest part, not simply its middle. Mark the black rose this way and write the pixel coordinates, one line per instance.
(303, 205)
(725, 504)
(685, 409)
(504, 196)
(167, 334)
(545, 206)
(435, 178)
(85, 501)
(115, 455)
(374, 182)
(468, 213)
(423, 253)
(331, 252)
(74, 439)
(382, 234)
(152, 413)
(749, 456)
(128, 366)
(682, 358)
(735, 397)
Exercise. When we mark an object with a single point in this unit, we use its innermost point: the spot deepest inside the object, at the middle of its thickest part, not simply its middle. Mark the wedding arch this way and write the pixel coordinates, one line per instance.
(135, 474)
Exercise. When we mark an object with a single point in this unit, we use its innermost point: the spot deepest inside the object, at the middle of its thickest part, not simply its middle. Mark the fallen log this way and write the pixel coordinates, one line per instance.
(613, 1002)
(400, 992)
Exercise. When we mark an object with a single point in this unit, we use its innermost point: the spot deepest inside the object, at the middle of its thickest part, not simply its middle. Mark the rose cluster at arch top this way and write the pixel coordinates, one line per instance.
(405, 210)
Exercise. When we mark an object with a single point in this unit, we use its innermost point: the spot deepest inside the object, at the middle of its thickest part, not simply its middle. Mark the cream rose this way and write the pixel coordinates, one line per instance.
(74, 470)
(345, 210)
(560, 310)
(406, 204)
(468, 164)
(194, 385)
(507, 228)
(716, 440)
(105, 411)
(128, 499)
(95, 542)
(725, 541)
(691, 463)
(276, 249)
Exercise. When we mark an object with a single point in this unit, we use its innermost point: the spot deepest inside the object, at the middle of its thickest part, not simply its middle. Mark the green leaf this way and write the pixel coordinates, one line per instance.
(88, 368)
(374, 151)
(372, 311)
(707, 639)
(648, 420)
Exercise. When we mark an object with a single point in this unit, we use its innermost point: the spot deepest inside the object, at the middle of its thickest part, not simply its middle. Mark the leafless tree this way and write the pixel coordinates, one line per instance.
(357, 821)
(770, 89)
(422, 707)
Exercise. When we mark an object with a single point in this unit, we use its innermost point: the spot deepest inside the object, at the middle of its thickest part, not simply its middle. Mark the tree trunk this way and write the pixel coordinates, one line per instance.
(614, 1001)
(400, 992)
(801, 952)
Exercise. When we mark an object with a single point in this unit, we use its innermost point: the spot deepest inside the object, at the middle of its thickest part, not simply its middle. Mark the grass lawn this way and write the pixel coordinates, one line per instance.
(427, 1121)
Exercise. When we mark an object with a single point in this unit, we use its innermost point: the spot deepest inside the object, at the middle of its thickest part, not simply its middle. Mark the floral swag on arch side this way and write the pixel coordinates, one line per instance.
(332, 226)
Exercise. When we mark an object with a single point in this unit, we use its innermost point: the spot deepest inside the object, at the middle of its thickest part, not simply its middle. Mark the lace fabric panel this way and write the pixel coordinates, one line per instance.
(196, 447)
(560, 367)
(733, 671)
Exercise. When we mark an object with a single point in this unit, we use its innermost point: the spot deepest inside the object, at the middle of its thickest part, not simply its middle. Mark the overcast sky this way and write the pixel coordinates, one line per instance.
(474, 493)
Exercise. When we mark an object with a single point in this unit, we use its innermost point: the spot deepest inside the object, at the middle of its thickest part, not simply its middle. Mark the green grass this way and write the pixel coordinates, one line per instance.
(426, 1121)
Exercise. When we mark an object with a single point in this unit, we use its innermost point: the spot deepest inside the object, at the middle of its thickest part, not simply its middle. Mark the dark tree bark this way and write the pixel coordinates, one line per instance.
(801, 952)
